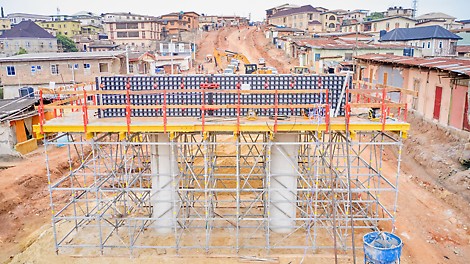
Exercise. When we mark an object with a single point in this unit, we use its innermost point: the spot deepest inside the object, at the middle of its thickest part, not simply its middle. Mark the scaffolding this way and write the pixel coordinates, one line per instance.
(233, 186)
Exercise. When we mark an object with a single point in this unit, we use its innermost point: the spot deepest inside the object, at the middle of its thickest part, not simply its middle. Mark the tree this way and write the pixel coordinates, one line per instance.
(21, 51)
(67, 44)
(375, 15)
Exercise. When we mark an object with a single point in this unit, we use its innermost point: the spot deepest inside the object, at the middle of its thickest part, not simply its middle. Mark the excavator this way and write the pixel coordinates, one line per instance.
(250, 68)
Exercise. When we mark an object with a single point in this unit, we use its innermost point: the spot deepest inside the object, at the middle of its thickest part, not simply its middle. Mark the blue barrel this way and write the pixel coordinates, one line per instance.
(382, 248)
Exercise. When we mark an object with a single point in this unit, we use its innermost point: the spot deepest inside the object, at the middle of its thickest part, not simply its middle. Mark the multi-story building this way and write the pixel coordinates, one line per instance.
(208, 23)
(140, 32)
(398, 11)
(67, 28)
(272, 11)
(39, 70)
(29, 36)
(357, 15)
(331, 21)
(173, 24)
(379, 25)
(438, 19)
(16, 18)
(432, 40)
(296, 17)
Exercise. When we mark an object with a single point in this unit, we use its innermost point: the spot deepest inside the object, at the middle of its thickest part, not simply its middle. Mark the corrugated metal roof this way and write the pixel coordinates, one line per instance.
(10, 107)
(298, 10)
(429, 32)
(457, 65)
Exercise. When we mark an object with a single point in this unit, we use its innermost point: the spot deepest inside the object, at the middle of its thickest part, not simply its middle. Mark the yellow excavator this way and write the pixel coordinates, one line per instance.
(250, 68)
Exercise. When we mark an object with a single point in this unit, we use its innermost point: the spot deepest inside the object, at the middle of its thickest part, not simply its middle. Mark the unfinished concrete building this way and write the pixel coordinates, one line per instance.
(223, 164)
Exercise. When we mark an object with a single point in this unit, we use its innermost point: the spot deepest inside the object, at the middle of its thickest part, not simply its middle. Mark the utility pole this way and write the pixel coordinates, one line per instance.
(127, 59)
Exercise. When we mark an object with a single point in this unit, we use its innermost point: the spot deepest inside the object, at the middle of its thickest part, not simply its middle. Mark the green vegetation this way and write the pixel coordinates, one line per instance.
(21, 51)
(67, 44)
(375, 15)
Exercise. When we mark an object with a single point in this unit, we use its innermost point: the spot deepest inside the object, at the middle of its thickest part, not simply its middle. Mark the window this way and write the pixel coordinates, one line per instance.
(11, 71)
(440, 44)
(86, 66)
(429, 44)
(28, 44)
(423, 44)
(348, 56)
(143, 34)
(103, 67)
(50, 45)
(55, 69)
(397, 25)
(407, 25)
(387, 26)
(131, 68)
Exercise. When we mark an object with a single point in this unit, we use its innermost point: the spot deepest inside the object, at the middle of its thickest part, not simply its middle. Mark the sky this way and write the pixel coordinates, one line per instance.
(457, 8)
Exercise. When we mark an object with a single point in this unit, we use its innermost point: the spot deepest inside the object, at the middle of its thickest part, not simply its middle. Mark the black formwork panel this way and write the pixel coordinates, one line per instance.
(149, 84)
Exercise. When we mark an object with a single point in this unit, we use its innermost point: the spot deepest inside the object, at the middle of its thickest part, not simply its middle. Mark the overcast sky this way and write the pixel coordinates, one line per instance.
(457, 8)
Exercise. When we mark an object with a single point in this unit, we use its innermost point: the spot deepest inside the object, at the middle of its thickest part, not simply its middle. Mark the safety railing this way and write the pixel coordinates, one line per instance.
(75, 100)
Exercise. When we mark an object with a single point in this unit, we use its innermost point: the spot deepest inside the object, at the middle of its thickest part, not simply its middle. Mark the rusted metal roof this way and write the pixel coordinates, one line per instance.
(456, 65)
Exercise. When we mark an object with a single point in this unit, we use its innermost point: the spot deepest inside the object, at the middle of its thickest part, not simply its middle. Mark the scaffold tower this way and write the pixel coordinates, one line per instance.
(223, 164)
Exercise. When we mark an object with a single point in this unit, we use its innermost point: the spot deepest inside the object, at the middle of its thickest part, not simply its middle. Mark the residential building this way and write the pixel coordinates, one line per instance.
(16, 18)
(42, 69)
(331, 21)
(88, 19)
(438, 19)
(378, 25)
(232, 21)
(208, 23)
(272, 11)
(463, 51)
(357, 15)
(173, 24)
(151, 64)
(296, 17)
(433, 40)
(465, 24)
(68, 28)
(398, 11)
(442, 85)
(5, 24)
(322, 54)
(139, 32)
(29, 36)
(193, 20)
(273, 32)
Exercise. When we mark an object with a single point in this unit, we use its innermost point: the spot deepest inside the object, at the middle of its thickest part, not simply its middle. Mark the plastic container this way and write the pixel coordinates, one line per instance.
(382, 248)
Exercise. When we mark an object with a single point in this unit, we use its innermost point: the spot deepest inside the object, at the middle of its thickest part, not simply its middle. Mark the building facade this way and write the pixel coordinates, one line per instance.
(432, 40)
(139, 32)
(41, 69)
(28, 36)
(296, 17)
(398, 11)
(16, 18)
(441, 84)
(68, 28)
(378, 25)
(331, 21)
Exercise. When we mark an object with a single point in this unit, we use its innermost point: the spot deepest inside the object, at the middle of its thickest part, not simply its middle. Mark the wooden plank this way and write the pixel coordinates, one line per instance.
(387, 87)
(376, 105)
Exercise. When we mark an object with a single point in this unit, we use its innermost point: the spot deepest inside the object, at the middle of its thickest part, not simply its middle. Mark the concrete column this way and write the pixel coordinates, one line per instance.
(283, 188)
(164, 167)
